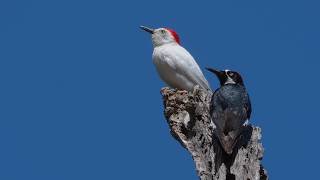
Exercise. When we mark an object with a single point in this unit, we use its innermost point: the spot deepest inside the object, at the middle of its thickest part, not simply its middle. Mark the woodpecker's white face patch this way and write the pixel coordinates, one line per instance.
(162, 36)
(229, 80)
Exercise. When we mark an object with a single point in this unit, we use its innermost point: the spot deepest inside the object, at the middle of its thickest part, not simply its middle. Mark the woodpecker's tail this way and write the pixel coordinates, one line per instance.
(228, 141)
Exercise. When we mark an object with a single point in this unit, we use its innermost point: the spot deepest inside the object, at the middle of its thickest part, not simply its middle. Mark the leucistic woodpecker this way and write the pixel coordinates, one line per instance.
(175, 65)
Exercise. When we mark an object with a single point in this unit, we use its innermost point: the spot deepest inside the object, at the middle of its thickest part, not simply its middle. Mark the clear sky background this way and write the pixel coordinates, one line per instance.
(80, 96)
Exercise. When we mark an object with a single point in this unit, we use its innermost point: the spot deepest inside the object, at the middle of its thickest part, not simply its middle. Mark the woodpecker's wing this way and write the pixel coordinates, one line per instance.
(231, 106)
(248, 106)
(184, 64)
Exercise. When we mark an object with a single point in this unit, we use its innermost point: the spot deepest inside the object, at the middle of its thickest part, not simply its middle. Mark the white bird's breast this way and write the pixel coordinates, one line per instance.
(177, 67)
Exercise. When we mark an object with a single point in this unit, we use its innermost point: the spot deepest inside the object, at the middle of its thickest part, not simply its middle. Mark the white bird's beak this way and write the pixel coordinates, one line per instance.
(149, 30)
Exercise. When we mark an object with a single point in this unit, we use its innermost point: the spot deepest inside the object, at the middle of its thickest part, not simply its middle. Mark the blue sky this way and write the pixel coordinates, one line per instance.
(80, 96)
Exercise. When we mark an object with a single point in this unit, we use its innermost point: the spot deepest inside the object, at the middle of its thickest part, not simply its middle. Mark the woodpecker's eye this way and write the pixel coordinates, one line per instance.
(230, 74)
(163, 31)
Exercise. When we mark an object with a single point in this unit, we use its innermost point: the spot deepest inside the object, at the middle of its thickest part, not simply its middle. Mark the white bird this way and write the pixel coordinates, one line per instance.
(175, 65)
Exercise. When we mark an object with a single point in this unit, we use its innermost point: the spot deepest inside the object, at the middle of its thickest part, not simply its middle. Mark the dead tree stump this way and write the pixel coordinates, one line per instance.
(189, 120)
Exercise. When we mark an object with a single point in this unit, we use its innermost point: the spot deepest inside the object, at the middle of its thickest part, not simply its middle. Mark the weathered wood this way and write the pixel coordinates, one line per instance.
(188, 117)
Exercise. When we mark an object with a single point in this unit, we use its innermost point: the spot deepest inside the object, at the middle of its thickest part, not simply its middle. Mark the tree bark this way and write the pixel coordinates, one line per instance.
(189, 120)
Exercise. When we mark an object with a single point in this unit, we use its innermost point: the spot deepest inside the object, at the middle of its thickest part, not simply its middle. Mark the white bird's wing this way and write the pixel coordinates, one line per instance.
(185, 65)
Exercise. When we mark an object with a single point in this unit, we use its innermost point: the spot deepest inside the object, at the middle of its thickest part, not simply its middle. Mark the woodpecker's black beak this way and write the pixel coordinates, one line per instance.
(220, 74)
(149, 30)
(216, 72)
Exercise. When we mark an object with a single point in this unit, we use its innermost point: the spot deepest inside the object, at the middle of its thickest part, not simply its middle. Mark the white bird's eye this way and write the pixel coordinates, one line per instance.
(163, 31)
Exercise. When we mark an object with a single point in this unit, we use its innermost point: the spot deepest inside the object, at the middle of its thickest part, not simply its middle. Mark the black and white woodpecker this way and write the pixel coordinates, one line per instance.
(230, 107)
